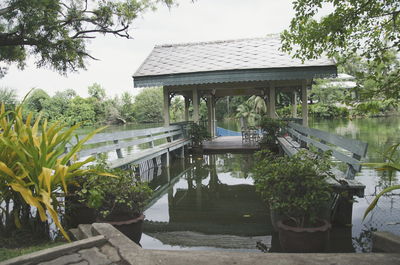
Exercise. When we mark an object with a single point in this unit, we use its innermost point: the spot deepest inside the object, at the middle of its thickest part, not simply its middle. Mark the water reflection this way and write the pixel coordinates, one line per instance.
(209, 202)
(213, 196)
(379, 133)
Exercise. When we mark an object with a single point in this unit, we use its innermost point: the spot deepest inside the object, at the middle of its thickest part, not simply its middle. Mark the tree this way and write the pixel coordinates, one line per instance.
(148, 105)
(324, 91)
(97, 91)
(364, 27)
(56, 107)
(177, 109)
(80, 110)
(57, 31)
(35, 101)
(126, 108)
(8, 97)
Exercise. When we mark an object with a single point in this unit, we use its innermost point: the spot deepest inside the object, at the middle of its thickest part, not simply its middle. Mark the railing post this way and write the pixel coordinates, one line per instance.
(151, 143)
(119, 153)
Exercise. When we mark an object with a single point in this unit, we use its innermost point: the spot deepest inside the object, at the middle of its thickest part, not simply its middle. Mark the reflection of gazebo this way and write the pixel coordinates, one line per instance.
(229, 68)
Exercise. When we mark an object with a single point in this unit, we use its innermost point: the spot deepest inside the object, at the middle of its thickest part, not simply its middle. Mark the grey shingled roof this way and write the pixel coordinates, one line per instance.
(216, 56)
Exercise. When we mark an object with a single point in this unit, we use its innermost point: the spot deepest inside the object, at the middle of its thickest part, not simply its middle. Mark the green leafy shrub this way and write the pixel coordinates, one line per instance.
(375, 107)
(122, 196)
(271, 129)
(328, 111)
(294, 186)
(198, 133)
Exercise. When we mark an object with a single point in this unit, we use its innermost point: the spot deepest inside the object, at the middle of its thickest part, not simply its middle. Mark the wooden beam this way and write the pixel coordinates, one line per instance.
(304, 104)
(237, 85)
(166, 106)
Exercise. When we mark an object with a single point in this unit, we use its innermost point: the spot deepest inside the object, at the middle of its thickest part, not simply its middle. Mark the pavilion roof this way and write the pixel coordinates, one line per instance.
(256, 59)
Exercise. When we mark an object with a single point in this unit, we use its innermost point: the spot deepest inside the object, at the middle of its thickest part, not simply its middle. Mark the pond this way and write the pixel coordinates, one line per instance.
(379, 133)
(212, 204)
(209, 196)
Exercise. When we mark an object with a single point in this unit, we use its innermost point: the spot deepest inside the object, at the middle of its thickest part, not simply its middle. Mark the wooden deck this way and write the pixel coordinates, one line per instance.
(229, 144)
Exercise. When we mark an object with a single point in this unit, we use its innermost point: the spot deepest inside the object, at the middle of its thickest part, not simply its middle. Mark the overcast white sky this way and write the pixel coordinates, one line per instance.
(204, 20)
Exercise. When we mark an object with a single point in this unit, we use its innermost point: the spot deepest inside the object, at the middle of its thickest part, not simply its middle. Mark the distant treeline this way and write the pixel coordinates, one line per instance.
(66, 106)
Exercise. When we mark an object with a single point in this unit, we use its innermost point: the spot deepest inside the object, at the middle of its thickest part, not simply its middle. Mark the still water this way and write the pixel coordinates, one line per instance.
(379, 133)
(211, 203)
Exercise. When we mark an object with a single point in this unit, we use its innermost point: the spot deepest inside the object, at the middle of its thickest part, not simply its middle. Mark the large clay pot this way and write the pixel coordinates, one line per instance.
(132, 228)
(304, 240)
(78, 213)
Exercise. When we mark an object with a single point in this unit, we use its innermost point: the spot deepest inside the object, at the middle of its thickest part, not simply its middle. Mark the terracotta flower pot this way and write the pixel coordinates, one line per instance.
(304, 240)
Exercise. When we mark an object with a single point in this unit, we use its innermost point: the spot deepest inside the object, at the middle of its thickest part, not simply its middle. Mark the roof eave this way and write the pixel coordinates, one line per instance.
(265, 74)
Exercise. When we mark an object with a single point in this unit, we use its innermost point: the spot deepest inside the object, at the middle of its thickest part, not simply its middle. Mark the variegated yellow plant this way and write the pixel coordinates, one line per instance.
(34, 162)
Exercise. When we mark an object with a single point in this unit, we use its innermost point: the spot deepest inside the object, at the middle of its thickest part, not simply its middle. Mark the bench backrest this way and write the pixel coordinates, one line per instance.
(321, 140)
(115, 141)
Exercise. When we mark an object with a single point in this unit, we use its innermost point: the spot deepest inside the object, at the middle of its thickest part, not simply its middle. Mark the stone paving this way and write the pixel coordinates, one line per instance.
(105, 255)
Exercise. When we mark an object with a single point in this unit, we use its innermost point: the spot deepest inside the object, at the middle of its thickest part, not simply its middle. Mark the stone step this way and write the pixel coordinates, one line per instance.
(74, 233)
(85, 231)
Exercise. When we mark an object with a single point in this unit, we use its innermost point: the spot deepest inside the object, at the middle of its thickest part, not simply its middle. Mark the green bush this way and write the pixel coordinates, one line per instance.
(294, 186)
(198, 133)
(271, 129)
(328, 111)
(375, 107)
(113, 197)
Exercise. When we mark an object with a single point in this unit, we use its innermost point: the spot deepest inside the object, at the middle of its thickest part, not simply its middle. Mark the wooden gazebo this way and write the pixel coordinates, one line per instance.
(229, 68)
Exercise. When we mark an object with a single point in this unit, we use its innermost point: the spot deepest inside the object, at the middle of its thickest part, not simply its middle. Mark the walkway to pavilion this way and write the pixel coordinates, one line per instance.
(224, 144)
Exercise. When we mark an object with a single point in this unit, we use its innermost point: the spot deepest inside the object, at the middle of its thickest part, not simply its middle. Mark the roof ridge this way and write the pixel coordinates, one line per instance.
(268, 36)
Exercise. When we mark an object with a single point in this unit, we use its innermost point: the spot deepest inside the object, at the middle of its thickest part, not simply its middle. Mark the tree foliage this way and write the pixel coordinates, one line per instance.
(8, 97)
(368, 28)
(57, 31)
(148, 106)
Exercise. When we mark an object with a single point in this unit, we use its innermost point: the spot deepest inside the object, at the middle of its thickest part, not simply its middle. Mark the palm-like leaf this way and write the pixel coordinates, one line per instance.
(33, 162)
(391, 165)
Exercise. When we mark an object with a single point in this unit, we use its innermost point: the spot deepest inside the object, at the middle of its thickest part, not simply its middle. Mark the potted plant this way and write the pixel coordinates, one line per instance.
(117, 200)
(296, 189)
(271, 129)
(198, 133)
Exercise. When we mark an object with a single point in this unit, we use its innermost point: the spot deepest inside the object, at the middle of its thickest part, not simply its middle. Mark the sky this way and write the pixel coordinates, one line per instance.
(119, 58)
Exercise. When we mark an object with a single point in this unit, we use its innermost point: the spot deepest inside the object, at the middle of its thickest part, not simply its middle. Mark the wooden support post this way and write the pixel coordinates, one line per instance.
(294, 104)
(304, 104)
(167, 159)
(119, 153)
(272, 100)
(344, 211)
(166, 107)
(209, 116)
(196, 115)
(168, 174)
(214, 119)
(187, 108)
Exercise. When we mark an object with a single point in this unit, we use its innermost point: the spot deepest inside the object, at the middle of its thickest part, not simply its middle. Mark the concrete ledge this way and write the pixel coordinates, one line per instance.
(127, 249)
(147, 257)
(385, 242)
(55, 252)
